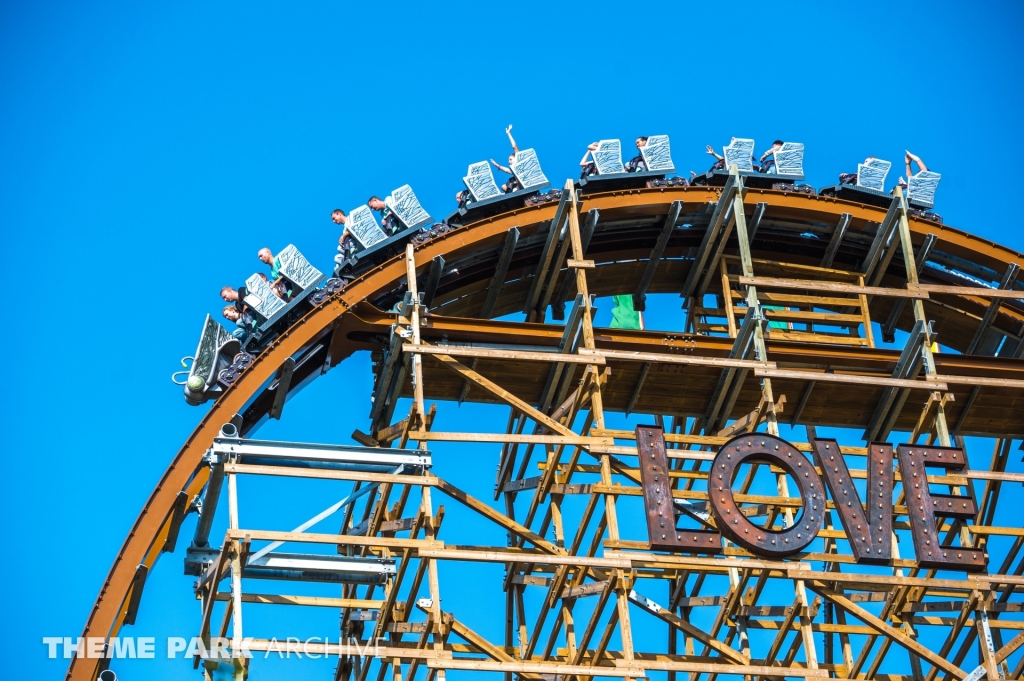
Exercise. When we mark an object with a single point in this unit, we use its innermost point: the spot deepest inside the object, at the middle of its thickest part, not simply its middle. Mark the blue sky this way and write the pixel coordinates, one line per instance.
(147, 152)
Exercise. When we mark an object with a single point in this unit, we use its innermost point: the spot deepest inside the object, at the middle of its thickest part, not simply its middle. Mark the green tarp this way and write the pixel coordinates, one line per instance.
(623, 314)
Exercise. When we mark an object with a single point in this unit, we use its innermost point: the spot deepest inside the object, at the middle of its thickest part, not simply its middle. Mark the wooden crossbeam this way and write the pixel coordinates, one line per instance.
(860, 379)
(658, 358)
(980, 292)
(812, 285)
(494, 353)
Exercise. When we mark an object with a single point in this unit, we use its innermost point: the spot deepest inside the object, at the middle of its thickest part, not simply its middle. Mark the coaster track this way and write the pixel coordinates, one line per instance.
(986, 397)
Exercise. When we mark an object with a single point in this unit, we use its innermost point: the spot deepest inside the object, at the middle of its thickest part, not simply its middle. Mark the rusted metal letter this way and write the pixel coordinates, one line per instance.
(923, 507)
(868, 525)
(657, 488)
(768, 449)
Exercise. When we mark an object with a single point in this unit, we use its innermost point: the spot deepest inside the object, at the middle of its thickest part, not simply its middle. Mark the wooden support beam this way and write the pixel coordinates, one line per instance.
(921, 259)
(755, 221)
(498, 278)
(540, 276)
(433, 279)
(1007, 282)
(837, 238)
(804, 399)
(717, 249)
(640, 295)
(497, 517)
(490, 386)
(638, 387)
(887, 630)
(569, 282)
(653, 608)
(284, 381)
(884, 236)
(717, 219)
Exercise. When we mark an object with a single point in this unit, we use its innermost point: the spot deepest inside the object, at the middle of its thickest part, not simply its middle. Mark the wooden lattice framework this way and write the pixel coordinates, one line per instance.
(825, 615)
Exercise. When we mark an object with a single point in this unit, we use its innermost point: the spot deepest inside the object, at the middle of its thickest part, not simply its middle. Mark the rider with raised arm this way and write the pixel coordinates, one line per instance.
(921, 167)
(512, 185)
(719, 160)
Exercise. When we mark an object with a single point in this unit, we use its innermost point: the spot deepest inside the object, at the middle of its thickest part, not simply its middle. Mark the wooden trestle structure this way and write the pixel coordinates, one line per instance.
(820, 268)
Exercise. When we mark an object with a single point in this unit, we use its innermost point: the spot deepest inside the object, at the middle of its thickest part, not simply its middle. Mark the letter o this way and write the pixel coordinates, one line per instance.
(764, 448)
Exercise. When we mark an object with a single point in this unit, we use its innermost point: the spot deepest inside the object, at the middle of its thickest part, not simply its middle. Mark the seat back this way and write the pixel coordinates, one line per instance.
(608, 157)
(921, 187)
(297, 269)
(404, 204)
(789, 160)
(872, 174)
(364, 227)
(480, 181)
(526, 167)
(260, 298)
(739, 151)
(658, 154)
(214, 341)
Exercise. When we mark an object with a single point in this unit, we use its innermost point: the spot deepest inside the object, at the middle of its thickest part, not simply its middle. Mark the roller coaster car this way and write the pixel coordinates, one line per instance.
(221, 357)
(869, 187)
(274, 313)
(217, 352)
(788, 168)
(612, 175)
(485, 197)
(374, 245)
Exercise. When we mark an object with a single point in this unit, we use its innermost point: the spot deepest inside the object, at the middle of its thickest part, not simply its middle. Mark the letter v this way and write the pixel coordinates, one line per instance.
(868, 525)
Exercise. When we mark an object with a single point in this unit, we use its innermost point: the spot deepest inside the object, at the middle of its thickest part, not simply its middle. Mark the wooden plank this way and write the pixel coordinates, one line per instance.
(494, 353)
(859, 379)
(569, 440)
(966, 291)
(580, 264)
(532, 557)
(796, 299)
(658, 358)
(812, 285)
(805, 316)
(982, 381)
(810, 337)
